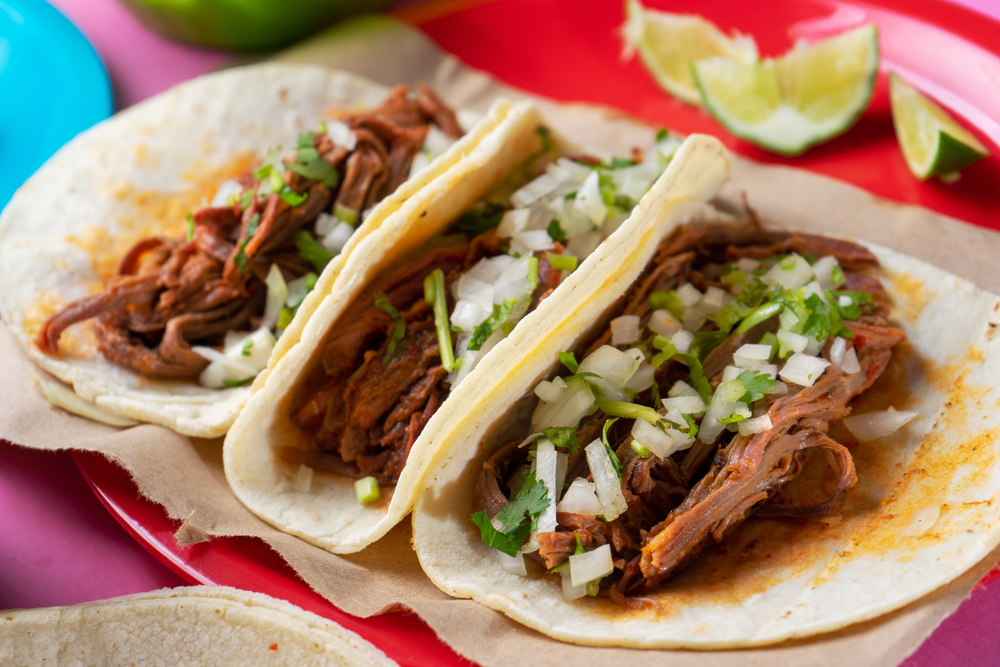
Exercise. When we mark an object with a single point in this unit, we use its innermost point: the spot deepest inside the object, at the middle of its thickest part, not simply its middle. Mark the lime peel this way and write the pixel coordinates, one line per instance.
(933, 143)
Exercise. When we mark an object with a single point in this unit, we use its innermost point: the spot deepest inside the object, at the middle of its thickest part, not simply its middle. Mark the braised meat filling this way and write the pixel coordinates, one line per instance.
(168, 295)
(710, 322)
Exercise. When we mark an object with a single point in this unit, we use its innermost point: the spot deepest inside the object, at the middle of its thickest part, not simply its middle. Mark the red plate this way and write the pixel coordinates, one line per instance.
(569, 50)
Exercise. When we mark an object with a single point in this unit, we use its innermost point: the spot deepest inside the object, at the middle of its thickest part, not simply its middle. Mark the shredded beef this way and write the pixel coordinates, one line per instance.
(679, 505)
(169, 295)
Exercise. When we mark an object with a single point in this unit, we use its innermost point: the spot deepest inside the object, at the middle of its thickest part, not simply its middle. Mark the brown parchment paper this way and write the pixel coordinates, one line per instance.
(186, 477)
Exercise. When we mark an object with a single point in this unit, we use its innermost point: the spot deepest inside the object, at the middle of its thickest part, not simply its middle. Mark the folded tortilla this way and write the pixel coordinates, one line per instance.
(138, 174)
(922, 513)
(198, 625)
(327, 512)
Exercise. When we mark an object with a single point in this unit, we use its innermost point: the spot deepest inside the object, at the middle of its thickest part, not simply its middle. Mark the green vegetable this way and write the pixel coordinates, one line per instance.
(578, 550)
(732, 419)
(285, 317)
(311, 279)
(667, 301)
(730, 314)
(435, 296)
(692, 427)
(399, 329)
(561, 436)
(561, 262)
(853, 311)
(190, 220)
(242, 260)
(640, 450)
(309, 164)
(837, 276)
(247, 347)
(533, 272)
(707, 341)
(367, 490)
(758, 315)
(668, 353)
(501, 313)
(606, 184)
(290, 197)
(757, 385)
(556, 232)
(628, 410)
(531, 500)
(480, 220)
(662, 134)
(345, 213)
(609, 449)
(568, 360)
(548, 146)
(311, 251)
(237, 383)
(734, 277)
(698, 379)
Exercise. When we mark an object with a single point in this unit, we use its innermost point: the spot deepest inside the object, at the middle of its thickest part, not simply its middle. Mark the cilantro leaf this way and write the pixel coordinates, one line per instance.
(501, 313)
(480, 220)
(732, 419)
(662, 134)
(568, 360)
(531, 500)
(399, 330)
(707, 341)
(698, 379)
(752, 295)
(556, 232)
(692, 429)
(561, 436)
(757, 384)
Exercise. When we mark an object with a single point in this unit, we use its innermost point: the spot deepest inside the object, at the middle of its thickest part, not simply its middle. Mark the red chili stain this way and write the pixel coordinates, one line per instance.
(274, 647)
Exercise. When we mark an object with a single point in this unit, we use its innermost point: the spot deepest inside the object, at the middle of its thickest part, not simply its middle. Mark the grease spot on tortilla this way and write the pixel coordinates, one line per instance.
(910, 296)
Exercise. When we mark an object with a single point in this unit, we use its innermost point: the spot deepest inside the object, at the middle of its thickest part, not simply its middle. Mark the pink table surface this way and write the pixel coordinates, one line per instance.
(59, 546)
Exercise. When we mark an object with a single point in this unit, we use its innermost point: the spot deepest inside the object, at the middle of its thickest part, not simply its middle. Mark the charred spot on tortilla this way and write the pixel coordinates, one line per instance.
(243, 264)
(700, 429)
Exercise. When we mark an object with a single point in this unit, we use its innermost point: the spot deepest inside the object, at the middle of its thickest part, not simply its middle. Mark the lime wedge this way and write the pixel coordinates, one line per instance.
(932, 142)
(669, 43)
(804, 97)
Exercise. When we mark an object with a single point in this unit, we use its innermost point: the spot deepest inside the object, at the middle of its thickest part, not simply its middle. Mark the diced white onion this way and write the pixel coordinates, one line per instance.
(574, 405)
(338, 238)
(682, 388)
(609, 490)
(814, 288)
(533, 191)
(642, 379)
(747, 264)
(845, 301)
(803, 369)
(466, 315)
(823, 268)
(341, 134)
(837, 350)
(513, 282)
(565, 170)
(850, 365)
(298, 289)
(325, 224)
(682, 341)
(589, 200)
(571, 592)
(874, 425)
(796, 342)
(545, 472)
(755, 425)
(581, 245)
(437, 142)
(580, 498)
(688, 295)
(485, 270)
(731, 373)
(624, 330)
(548, 392)
(591, 565)
(724, 402)
(693, 320)
(636, 354)
(663, 323)
(652, 438)
(277, 294)
(303, 479)
(513, 221)
(226, 190)
(770, 370)
(234, 365)
(535, 240)
(685, 404)
(752, 356)
(712, 302)
(611, 364)
(793, 278)
(512, 564)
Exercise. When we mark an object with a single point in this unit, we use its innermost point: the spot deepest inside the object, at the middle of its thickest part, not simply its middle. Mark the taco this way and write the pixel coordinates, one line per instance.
(198, 625)
(334, 444)
(750, 434)
(154, 261)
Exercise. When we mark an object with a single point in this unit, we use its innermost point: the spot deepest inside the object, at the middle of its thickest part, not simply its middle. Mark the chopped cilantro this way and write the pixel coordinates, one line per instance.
(561, 262)
(480, 219)
(291, 198)
(556, 232)
(692, 426)
(698, 379)
(756, 383)
(568, 360)
(501, 313)
(311, 279)
(561, 436)
(285, 317)
(758, 315)
(247, 347)
(237, 383)
(606, 184)
(837, 276)
(707, 341)
(643, 452)
(609, 449)
(732, 419)
(309, 164)
(531, 500)
(190, 220)
(399, 326)
(533, 281)
(662, 134)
